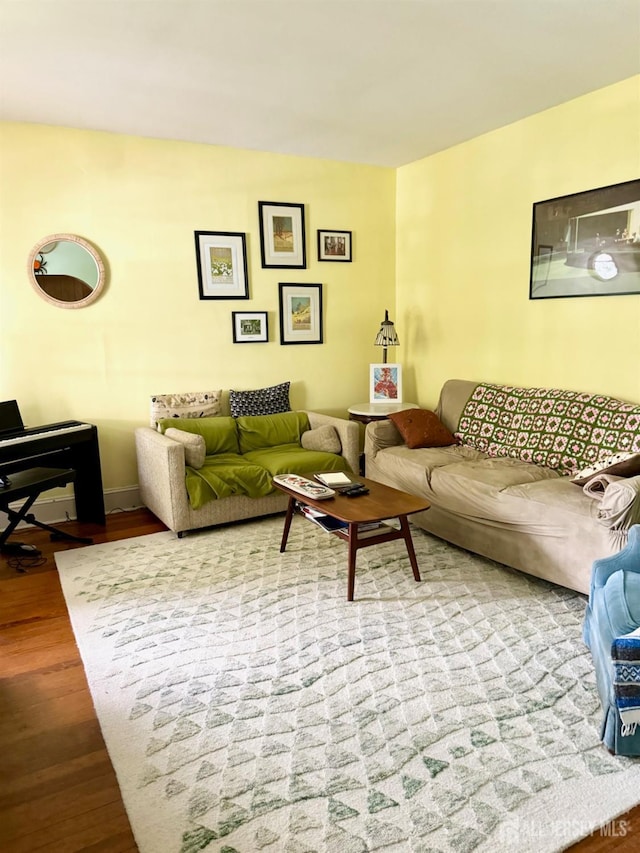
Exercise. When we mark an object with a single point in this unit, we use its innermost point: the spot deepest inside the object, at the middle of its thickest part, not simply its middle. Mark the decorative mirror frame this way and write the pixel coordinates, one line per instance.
(33, 278)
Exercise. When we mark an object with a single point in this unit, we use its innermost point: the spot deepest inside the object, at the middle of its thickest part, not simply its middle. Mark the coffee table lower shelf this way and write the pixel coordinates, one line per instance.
(382, 503)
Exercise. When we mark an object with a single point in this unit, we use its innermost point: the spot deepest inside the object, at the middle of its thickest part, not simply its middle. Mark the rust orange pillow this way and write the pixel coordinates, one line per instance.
(422, 428)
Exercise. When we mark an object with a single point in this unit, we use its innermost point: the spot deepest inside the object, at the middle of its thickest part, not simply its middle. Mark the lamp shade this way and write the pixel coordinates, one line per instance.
(387, 336)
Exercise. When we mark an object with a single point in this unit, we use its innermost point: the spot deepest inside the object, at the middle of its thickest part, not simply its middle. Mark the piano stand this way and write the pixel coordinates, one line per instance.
(29, 485)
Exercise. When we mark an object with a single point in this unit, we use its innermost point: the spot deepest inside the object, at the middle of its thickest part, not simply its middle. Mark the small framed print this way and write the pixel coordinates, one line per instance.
(221, 258)
(385, 383)
(250, 327)
(300, 313)
(334, 246)
(282, 244)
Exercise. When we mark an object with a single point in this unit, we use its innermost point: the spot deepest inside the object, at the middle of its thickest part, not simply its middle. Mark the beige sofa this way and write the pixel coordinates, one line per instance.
(162, 471)
(528, 516)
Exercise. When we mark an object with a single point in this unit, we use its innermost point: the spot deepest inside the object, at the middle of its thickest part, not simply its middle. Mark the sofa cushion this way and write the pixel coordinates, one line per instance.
(293, 459)
(195, 448)
(262, 401)
(617, 465)
(324, 438)
(224, 475)
(564, 430)
(199, 404)
(499, 474)
(421, 428)
(261, 431)
(412, 470)
(220, 434)
(488, 488)
(549, 500)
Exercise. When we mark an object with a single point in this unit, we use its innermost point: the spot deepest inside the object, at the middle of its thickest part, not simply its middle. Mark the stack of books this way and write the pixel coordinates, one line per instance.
(335, 480)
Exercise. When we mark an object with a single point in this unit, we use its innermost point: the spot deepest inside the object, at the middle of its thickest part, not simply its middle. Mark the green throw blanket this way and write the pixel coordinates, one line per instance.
(224, 475)
(563, 430)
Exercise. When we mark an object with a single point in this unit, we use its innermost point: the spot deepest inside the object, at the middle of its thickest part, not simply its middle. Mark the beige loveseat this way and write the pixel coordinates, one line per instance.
(162, 473)
(494, 497)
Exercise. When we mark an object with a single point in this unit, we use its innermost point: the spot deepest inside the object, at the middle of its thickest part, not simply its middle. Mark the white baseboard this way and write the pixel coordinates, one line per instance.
(55, 510)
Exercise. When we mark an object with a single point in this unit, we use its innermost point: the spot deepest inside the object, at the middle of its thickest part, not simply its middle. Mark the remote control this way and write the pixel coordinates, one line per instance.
(355, 491)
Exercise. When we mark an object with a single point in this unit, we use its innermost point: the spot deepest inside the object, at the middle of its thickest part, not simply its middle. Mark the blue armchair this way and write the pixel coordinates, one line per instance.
(613, 612)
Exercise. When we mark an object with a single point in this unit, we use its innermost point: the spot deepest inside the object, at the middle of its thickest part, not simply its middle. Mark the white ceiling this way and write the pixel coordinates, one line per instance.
(383, 82)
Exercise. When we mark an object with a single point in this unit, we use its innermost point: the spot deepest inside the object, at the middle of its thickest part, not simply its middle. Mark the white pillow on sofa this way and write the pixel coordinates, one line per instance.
(618, 464)
(201, 404)
(323, 438)
(195, 448)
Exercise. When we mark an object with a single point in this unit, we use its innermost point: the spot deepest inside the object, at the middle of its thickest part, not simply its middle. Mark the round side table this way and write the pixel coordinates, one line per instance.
(364, 413)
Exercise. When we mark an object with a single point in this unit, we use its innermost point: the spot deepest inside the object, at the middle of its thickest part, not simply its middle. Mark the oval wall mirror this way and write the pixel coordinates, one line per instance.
(66, 270)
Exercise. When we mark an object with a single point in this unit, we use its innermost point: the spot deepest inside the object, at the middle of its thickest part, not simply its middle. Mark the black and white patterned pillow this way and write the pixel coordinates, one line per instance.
(263, 401)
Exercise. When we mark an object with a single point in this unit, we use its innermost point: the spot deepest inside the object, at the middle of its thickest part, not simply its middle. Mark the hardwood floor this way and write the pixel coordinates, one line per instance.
(58, 791)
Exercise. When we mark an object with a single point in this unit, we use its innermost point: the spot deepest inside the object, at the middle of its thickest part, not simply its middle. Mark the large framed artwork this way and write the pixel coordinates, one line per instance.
(282, 242)
(250, 327)
(587, 243)
(385, 383)
(300, 313)
(221, 258)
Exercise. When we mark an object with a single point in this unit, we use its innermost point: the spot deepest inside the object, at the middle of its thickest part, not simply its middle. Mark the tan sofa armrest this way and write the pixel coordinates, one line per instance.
(619, 508)
(161, 476)
(378, 435)
(349, 434)
(454, 396)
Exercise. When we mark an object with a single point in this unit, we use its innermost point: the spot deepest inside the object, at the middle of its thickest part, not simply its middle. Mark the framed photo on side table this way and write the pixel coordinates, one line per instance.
(221, 258)
(334, 246)
(300, 313)
(385, 383)
(250, 327)
(282, 235)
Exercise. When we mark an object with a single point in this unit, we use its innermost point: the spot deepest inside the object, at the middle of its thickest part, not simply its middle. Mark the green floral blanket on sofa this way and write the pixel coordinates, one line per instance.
(563, 430)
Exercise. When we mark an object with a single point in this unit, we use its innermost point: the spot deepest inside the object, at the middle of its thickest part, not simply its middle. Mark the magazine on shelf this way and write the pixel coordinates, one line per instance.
(331, 524)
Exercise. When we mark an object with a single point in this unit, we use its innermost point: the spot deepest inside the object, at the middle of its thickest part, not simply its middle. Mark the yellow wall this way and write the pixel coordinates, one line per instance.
(463, 246)
(139, 202)
(459, 268)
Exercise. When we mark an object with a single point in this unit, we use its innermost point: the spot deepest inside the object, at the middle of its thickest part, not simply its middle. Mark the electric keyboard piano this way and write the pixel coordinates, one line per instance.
(68, 444)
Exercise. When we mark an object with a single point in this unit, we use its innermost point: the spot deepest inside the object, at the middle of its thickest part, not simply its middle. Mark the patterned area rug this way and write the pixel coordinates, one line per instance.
(247, 706)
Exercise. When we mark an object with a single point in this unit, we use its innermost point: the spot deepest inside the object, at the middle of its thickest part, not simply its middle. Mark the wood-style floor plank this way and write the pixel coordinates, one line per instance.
(58, 791)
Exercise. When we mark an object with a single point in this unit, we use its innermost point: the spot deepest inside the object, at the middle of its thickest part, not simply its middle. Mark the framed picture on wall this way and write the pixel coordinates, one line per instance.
(250, 327)
(282, 243)
(334, 246)
(221, 258)
(385, 383)
(587, 243)
(300, 313)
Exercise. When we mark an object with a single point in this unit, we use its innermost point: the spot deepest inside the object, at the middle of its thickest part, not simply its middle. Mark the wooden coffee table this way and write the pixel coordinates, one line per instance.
(381, 503)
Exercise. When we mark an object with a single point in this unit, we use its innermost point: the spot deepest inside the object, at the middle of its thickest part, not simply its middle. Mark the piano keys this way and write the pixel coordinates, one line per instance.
(43, 432)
